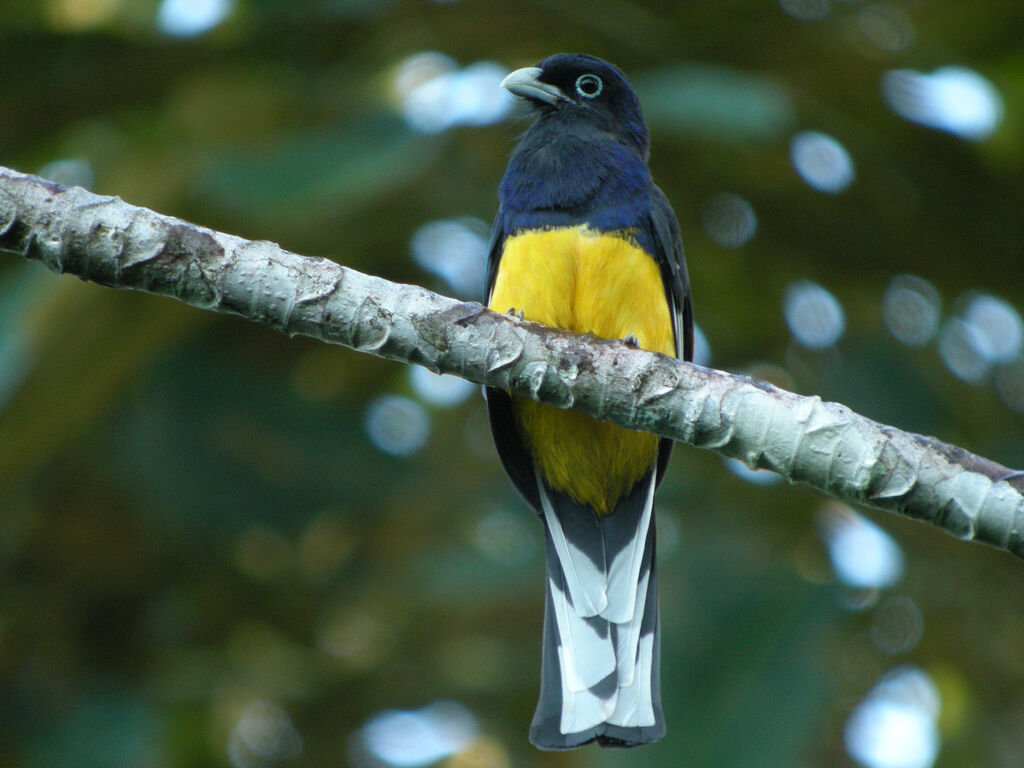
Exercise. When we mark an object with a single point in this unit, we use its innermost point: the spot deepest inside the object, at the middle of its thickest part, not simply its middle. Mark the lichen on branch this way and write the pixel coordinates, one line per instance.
(804, 439)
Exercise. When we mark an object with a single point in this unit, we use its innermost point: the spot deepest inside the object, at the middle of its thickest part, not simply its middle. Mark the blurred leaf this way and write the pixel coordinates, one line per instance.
(20, 288)
(339, 170)
(69, 387)
(746, 694)
(105, 728)
(247, 445)
(716, 102)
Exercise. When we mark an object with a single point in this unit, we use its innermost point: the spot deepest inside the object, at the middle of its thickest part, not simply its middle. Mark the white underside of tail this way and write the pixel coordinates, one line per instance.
(582, 709)
(587, 658)
(627, 651)
(613, 593)
(585, 580)
(624, 571)
(633, 706)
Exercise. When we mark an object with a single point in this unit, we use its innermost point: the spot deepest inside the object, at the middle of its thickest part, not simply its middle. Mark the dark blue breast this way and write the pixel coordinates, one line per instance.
(557, 178)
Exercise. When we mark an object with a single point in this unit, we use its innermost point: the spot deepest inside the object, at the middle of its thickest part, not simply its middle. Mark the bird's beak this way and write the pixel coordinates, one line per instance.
(526, 84)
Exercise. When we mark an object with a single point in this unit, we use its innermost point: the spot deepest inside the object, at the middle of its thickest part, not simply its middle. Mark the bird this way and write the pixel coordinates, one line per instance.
(584, 240)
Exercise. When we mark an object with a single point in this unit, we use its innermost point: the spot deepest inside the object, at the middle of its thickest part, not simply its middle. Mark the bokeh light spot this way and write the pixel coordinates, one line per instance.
(701, 347)
(1009, 384)
(895, 726)
(965, 350)
(953, 99)
(407, 739)
(729, 219)
(264, 735)
(441, 390)
(806, 10)
(70, 172)
(821, 161)
(754, 476)
(324, 547)
(420, 68)
(814, 316)
(862, 554)
(505, 537)
(188, 18)
(80, 15)
(397, 425)
(455, 250)
(896, 625)
(435, 94)
(999, 323)
(910, 309)
(482, 752)
(988, 332)
(886, 26)
(356, 636)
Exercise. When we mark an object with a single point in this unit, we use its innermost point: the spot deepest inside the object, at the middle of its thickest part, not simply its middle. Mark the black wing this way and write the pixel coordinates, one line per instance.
(668, 244)
(670, 258)
(513, 454)
(494, 249)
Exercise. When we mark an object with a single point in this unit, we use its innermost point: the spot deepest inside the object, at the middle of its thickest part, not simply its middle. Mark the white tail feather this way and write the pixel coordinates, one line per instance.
(589, 651)
(624, 572)
(584, 709)
(586, 582)
(587, 658)
(627, 647)
(634, 706)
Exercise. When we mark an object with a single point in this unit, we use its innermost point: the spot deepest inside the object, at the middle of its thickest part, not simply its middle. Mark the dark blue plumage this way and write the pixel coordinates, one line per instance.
(580, 164)
(579, 209)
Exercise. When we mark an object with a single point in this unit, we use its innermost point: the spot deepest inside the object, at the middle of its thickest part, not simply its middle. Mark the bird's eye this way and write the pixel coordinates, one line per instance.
(588, 86)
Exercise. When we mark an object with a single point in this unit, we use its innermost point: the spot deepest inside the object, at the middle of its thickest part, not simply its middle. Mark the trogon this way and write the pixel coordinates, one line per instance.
(584, 240)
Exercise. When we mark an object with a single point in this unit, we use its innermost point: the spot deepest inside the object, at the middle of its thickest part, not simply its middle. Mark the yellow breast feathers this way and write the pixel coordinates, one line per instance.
(588, 282)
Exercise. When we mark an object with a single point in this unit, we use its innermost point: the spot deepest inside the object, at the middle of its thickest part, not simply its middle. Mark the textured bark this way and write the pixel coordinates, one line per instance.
(804, 439)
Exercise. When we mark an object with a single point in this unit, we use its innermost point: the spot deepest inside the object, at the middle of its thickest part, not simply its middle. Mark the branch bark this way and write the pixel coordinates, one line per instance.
(806, 440)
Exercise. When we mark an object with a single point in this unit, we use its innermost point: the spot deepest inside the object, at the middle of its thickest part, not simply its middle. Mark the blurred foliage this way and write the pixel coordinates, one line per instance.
(194, 517)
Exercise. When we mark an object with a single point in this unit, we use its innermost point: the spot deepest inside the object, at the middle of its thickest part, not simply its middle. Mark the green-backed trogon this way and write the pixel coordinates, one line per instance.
(584, 240)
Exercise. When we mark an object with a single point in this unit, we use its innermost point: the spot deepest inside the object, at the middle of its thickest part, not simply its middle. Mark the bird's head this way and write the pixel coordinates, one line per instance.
(575, 88)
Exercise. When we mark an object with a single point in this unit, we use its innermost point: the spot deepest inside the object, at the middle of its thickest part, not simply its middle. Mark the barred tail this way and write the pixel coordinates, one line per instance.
(600, 667)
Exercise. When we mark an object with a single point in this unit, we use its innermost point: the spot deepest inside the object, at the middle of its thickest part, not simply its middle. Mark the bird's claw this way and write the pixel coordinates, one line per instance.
(632, 340)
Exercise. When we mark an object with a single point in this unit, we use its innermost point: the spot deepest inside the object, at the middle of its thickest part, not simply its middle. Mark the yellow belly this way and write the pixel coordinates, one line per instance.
(588, 282)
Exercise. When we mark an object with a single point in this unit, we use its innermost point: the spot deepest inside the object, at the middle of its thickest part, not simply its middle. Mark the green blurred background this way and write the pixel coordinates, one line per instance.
(223, 547)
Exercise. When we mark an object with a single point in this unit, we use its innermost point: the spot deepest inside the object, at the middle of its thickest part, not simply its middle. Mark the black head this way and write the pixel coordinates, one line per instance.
(579, 88)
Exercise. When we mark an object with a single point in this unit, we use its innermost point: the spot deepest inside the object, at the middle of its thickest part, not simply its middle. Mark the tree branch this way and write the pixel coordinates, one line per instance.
(825, 445)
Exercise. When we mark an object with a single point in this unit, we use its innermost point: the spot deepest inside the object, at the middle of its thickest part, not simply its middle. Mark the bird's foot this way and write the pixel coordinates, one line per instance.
(632, 340)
